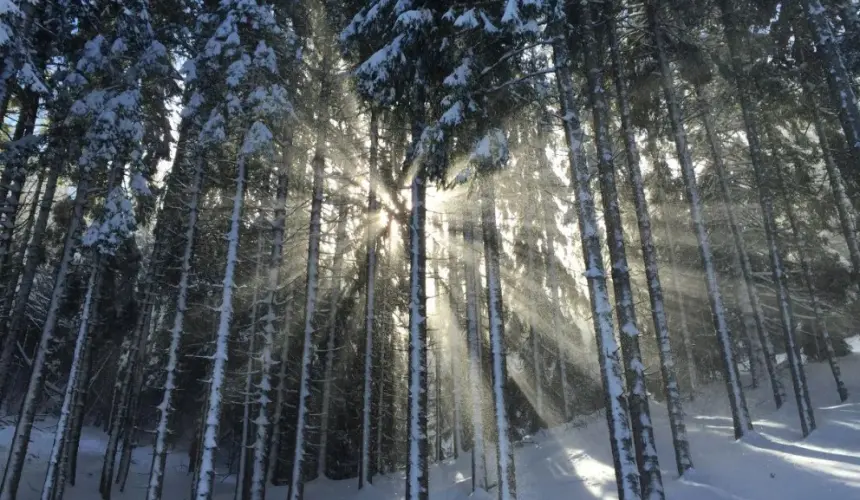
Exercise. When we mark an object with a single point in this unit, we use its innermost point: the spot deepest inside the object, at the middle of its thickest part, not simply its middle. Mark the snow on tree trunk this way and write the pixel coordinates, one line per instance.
(242, 489)
(417, 448)
(840, 81)
(820, 325)
(206, 473)
(675, 409)
(331, 338)
(507, 487)
(737, 400)
(60, 434)
(159, 455)
(308, 341)
(476, 376)
(24, 426)
(740, 249)
(365, 473)
(270, 326)
(637, 397)
(798, 378)
(611, 371)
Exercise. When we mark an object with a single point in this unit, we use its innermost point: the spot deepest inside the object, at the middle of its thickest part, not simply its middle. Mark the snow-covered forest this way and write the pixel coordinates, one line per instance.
(354, 249)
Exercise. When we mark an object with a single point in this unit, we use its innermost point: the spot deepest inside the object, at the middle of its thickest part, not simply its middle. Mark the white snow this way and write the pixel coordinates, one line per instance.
(774, 462)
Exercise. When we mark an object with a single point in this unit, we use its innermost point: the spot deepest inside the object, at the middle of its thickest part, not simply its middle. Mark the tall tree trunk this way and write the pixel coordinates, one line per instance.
(246, 452)
(476, 376)
(24, 426)
(737, 400)
(60, 435)
(798, 378)
(675, 409)
(270, 326)
(651, 480)
(507, 488)
(365, 470)
(206, 474)
(416, 462)
(331, 337)
(159, 455)
(312, 284)
(611, 370)
(740, 248)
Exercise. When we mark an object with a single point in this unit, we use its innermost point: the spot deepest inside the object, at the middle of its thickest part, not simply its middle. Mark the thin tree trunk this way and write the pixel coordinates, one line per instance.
(675, 273)
(81, 393)
(243, 483)
(476, 376)
(798, 377)
(270, 310)
(280, 391)
(740, 249)
(675, 409)
(296, 486)
(737, 400)
(206, 474)
(365, 472)
(611, 370)
(416, 461)
(331, 338)
(159, 456)
(60, 436)
(651, 481)
(21, 438)
(507, 487)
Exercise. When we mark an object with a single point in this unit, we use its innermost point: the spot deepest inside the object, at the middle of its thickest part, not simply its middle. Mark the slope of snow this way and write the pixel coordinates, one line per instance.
(775, 462)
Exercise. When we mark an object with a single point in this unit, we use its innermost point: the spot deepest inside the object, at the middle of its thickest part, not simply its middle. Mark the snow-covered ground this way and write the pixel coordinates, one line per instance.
(576, 463)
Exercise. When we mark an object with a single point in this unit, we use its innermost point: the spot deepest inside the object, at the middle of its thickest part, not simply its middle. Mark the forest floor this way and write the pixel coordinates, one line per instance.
(774, 462)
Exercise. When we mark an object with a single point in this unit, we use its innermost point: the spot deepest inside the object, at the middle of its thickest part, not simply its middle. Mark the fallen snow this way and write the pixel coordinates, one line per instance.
(774, 462)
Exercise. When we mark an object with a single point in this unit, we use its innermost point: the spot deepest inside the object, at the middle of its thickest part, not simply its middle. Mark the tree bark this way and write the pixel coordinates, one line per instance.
(21, 438)
(675, 409)
(611, 370)
(159, 457)
(507, 487)
(206, 474)
(740, 249)
(798, 378)
(737, 401)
